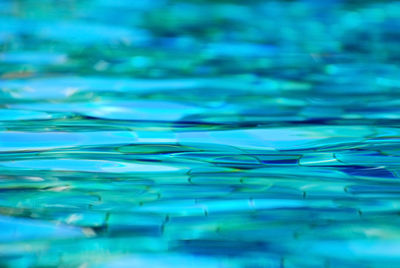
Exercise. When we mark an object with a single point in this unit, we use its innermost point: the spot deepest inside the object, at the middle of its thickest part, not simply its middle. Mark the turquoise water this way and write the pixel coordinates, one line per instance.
(199, 134)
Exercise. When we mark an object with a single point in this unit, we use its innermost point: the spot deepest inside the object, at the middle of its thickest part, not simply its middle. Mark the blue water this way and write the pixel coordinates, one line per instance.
(221, 134)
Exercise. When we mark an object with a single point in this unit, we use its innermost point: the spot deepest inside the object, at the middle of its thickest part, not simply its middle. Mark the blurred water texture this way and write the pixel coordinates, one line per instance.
(169, 133)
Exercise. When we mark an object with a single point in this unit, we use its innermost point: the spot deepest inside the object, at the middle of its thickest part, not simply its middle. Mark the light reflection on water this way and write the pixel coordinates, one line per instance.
(199, 133)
